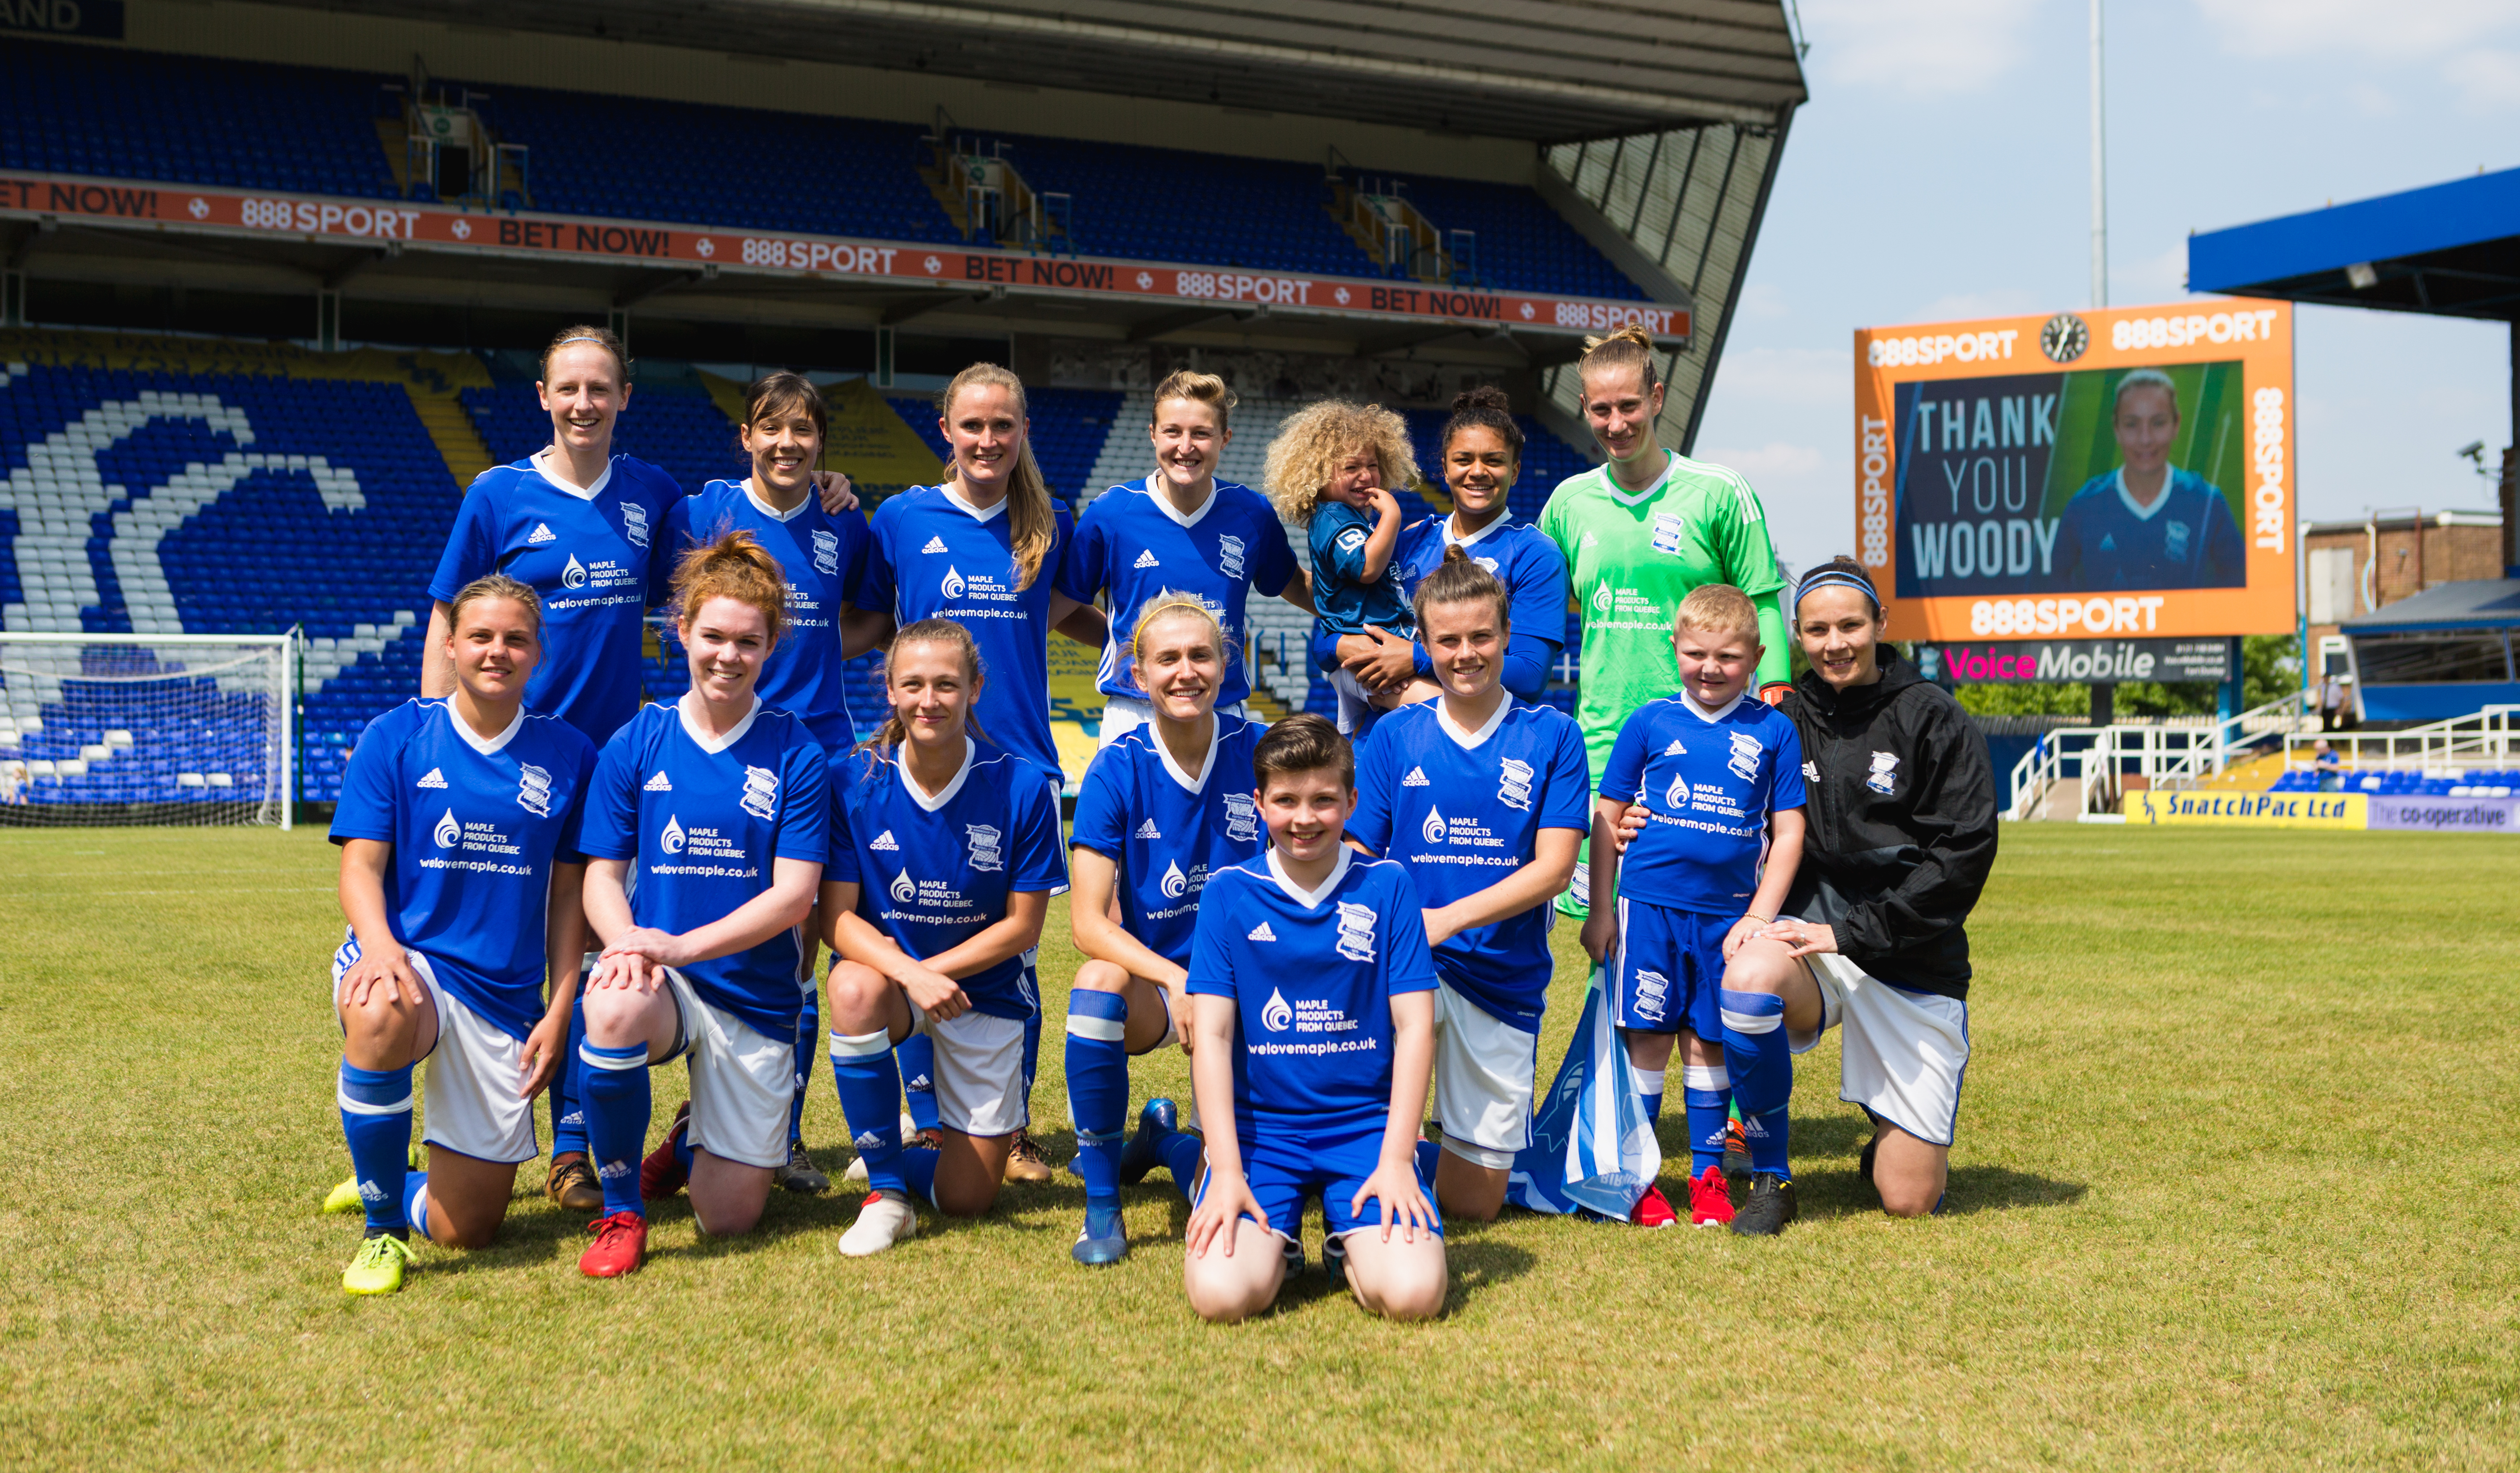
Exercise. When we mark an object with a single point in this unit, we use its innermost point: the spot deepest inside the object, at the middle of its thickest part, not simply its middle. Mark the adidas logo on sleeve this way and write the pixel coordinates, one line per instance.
(934, 545)
(433, 778)
(541, 533)
(886, 842)
(1261, 932)
(1147, 559)
(1148, 830)
(660, 784)
(1417, 778)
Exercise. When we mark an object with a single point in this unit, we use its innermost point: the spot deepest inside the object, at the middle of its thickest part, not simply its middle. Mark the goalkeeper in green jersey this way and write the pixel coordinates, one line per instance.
(1638, 534)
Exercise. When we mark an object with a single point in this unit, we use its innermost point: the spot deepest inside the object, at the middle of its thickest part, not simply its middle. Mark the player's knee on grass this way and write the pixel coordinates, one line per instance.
(1395, 1278)
(726, 1196)
(467, 1199)
(861, 998)
(1465, 1190)
(1224, 1289)
(970, 1169)
(1910, 1174)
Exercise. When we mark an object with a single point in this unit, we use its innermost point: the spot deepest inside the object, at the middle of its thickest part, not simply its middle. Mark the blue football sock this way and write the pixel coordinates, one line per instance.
(1708, 1091)
(864, 1076)
(918, 1056)
(415, 1203)
(1767, 1134)
(1650, 1084)
(615, 1094)
(1183, 1153)
(1032, 1052)
(809, 1027)
(1098, 1089)
(918, 1168)
(376, 1121)
(1756, 1052)
(568, 1092)
(683, 1149)
(1427, 1153)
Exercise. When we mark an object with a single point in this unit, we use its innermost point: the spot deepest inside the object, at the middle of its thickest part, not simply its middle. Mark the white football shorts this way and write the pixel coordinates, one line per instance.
(1486, 1070)
(469, 1101)
(743, 1082)
(1903, 1054)
(979, 1072)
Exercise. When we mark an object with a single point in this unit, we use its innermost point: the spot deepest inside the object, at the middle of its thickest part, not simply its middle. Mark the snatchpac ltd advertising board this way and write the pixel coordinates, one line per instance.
(2119, 473)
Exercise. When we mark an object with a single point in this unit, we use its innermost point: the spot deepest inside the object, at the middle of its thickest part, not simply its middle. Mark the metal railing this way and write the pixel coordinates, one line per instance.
(2484, 737)
(2176, 752)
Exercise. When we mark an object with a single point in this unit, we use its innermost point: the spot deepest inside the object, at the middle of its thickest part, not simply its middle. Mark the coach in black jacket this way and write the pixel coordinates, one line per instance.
(1901, 834)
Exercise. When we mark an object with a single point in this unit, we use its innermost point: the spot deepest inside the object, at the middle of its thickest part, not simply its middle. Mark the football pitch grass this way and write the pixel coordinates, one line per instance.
(2236, 1188)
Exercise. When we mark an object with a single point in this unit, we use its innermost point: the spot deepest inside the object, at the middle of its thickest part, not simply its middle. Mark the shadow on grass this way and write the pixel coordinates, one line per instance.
(1973, 1189)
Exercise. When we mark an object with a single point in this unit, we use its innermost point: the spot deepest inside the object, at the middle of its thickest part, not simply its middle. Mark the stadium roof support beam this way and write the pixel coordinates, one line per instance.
(1182, 320)
(910, 307)
(652, 283)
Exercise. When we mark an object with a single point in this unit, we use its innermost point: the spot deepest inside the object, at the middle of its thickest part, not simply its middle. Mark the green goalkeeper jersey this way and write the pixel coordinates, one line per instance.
(1631, 558)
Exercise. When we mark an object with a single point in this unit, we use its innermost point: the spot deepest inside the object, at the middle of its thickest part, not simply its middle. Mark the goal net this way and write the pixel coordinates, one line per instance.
(146, 729)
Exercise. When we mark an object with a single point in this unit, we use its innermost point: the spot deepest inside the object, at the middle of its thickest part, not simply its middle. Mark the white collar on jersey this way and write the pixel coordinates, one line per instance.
(2126, 498)
(954, 498)
(487, 746)
(1296, 893)
(771, 512)
(704, 741)
(1206, 765)
(1465, 738)
(540, 460)
(1716, 714)
(1503, 520)
(1627, 498)
(920, 795)
(1164, 502)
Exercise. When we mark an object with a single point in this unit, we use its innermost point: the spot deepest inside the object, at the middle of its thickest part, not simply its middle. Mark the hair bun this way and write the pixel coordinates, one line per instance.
(1482, 396)
(1455, 554)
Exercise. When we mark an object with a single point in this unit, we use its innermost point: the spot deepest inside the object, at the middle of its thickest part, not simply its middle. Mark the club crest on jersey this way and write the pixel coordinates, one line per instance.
(886, 844)
(1746, 756)
(2174, 540)
(826, 553)
(1241, 818)
(673, 839)
(1885, 773)
(1355, 931)
(1669, 535)
(761, 792)
(1261, 932)
(1653, 992)
(574, 575)
(541, 534)
(1229, 556)
(953, 586)
(1433, 828)
(1148, 558)
(447, 831)
(533, 789)
(1490, 563)
(660, 784)
(1514, 783)
(1351, 539)
(903, 889)
(982, 841)
(634, 522)
(433, 778)
(1417, 778)
(1175, 884)
(934, 545)
(1277, 1014)
(1148, 830)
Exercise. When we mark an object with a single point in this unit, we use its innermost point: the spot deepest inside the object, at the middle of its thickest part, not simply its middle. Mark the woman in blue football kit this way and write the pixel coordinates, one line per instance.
(719, 801)
(2148, 523)
(1160, 811)
(944, 854)
(1316, 1027)
(983, 549)
(1482, 449)
(822, 554)
(1485, 800)
(460, 877)
(1181, 530)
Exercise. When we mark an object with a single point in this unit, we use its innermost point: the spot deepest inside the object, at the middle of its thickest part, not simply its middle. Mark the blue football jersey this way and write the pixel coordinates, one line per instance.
(932, 556)
(934, 872)
(476, 828)
(823, 558)
(2186, 538)
(1312, 977)
(1169, 830)
(1711, 781)
(588, 555)
(702, 820)
(1462, 811)
(1134, 544)
(1528, 564)
(1343, 600)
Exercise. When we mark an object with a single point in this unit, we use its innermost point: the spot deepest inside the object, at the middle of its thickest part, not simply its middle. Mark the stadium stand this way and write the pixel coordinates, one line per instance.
(1522, 245)
(2477, 782)
(684, 432)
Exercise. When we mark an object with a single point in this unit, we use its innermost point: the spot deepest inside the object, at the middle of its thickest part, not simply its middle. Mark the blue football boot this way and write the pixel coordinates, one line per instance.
(1104, 1240)
(1143, 1154)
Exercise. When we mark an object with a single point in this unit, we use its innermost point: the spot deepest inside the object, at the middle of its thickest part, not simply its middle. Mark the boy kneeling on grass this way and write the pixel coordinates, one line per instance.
(1314, 1037)
(1722, 775)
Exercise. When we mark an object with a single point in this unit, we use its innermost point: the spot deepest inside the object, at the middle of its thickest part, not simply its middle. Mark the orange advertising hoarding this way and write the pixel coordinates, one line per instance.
(2119, 472)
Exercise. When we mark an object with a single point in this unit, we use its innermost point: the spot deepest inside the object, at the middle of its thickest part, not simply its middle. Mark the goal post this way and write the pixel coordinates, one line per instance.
(153, 729)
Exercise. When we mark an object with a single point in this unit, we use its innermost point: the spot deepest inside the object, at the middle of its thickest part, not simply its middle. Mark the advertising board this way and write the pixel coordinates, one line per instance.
(2030, 662)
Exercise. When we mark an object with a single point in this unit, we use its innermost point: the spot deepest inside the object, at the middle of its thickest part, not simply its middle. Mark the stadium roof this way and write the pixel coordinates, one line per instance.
(2481, 604)
(1551, 71)
(2448, 250)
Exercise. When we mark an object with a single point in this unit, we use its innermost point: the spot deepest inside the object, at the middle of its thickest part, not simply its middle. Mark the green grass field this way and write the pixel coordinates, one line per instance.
(2236, 1188)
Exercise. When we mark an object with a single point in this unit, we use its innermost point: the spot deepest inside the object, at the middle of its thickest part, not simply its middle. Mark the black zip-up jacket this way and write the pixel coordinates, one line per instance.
(1902, 819)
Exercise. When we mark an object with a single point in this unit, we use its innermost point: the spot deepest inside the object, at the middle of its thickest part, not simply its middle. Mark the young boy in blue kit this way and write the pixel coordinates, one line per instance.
(1722, 773)
(1314, 1034)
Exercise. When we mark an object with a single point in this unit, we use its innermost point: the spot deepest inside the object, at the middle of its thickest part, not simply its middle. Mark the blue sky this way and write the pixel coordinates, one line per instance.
(1942, 170)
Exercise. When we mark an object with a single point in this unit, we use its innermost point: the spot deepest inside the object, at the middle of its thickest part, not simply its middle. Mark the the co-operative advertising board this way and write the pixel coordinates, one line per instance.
(2121, 474)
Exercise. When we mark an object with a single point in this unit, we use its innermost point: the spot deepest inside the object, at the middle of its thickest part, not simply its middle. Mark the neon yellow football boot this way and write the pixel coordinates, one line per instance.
(378, 1270)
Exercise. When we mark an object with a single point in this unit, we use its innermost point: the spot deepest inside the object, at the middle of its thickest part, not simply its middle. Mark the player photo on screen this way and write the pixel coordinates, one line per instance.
(2105, 481)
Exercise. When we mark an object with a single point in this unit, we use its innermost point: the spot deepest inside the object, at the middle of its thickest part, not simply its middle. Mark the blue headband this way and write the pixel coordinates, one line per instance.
(1835, 577)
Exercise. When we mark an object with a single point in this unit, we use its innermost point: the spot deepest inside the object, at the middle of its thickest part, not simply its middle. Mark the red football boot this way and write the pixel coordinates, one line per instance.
(1710, 1199)
(620, 1245)
(1653, 1210)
